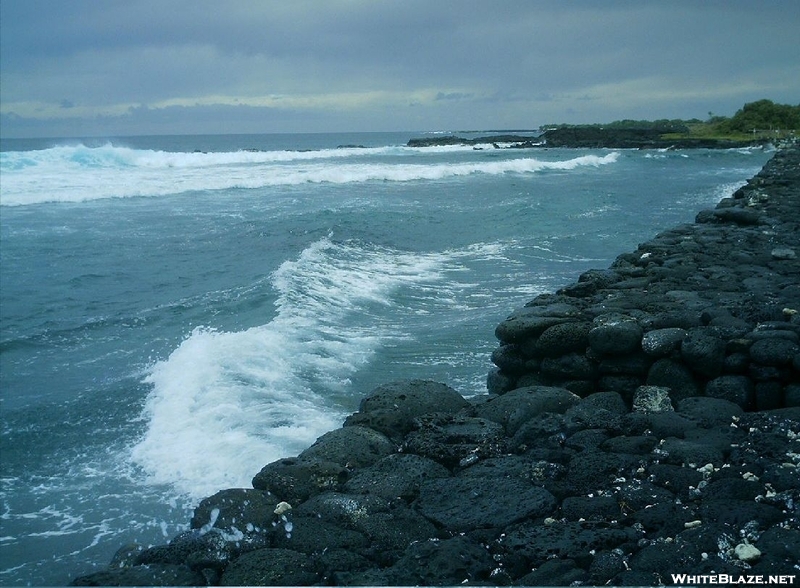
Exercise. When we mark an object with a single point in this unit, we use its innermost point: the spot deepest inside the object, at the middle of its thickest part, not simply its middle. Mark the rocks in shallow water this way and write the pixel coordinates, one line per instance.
(611, 500)
(747, 553)
(695, 300)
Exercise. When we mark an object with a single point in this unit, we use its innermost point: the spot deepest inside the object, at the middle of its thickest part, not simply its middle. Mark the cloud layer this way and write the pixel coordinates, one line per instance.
(149, 66)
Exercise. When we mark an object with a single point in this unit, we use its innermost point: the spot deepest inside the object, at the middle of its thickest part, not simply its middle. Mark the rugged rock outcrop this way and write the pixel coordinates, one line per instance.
(590, 137)
(708, 308)
(595, 137)
(508, 141)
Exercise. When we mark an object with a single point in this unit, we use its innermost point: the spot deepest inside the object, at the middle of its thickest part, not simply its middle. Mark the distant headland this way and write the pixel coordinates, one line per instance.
(756, 123)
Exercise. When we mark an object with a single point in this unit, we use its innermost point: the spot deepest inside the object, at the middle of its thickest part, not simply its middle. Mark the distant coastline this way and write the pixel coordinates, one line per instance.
(756, 124)
(590, 137)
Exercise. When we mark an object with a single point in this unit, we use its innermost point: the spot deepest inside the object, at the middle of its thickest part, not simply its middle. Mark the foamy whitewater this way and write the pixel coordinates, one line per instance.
(178, 312)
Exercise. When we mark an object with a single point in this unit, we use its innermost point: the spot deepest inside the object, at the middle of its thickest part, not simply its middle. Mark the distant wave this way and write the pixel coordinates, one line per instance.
(109, 155)
(79, 173)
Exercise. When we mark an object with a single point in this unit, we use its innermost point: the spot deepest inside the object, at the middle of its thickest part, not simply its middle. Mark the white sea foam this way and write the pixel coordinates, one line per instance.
(710, 197)
(80, 173)
(726, 190)
(224, 404)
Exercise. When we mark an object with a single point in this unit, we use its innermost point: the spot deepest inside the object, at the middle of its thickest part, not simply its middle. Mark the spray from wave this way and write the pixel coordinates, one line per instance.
(223, 404)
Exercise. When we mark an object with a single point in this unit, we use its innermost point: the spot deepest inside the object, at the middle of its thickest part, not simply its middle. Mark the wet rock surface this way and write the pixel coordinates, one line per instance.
(642, 422)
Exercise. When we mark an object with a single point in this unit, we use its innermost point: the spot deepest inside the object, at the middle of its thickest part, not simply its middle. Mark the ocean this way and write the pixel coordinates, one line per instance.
(178, 311)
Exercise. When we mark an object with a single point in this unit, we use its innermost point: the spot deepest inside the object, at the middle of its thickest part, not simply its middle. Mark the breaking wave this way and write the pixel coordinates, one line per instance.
(79, 173)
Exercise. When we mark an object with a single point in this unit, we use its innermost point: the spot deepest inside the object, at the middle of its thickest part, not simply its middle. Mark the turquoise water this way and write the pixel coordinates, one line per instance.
(177, 312)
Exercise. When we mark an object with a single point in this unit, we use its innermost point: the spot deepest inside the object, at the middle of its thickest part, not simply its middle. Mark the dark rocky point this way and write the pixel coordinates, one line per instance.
(594, 137)
(642, 422)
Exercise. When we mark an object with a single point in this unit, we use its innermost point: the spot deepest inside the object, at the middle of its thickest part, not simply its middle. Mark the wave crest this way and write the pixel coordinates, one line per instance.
(79, 173)
(223, 404)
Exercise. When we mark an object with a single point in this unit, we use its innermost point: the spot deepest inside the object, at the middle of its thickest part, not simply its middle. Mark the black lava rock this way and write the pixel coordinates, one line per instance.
(464, 503)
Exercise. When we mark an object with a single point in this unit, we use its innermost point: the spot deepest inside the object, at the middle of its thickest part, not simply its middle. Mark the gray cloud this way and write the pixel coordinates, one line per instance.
(366, 65)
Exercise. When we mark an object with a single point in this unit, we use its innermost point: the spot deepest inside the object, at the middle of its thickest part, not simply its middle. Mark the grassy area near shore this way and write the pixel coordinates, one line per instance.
(715, 131)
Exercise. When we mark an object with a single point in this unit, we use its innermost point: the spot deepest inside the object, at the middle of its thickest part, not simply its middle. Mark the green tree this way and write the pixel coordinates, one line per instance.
(763, 115)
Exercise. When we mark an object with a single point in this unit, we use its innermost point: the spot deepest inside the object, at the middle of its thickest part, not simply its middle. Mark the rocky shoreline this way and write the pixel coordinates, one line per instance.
(641, 422)
(588, 137)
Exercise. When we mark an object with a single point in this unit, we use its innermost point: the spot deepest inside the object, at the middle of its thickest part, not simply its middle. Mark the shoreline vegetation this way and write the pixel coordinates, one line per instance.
(756, 124)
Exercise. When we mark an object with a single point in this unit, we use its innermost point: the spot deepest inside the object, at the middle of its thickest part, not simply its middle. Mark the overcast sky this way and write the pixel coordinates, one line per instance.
(123, 67)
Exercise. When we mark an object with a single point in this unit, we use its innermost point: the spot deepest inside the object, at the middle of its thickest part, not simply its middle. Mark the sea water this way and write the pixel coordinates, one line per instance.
(177, 312)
